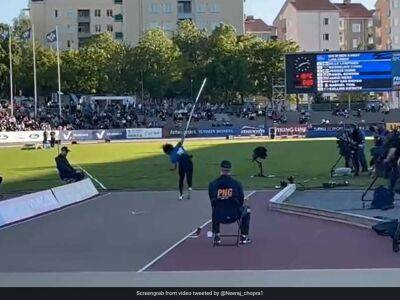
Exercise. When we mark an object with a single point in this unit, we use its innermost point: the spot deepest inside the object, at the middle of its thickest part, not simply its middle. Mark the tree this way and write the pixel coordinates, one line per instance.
(192, 43)
(268, 63)
(156, 61)
(95, 68)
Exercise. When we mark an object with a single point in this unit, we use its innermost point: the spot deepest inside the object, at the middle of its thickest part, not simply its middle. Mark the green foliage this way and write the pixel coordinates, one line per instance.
(236, 66)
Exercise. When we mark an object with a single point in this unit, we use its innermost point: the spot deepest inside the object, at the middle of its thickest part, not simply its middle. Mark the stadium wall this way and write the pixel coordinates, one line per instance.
(32, 205)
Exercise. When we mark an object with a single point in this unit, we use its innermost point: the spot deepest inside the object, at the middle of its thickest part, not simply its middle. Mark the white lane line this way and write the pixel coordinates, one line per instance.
(180, 242)
(171, 248)
(56, 211)
(92, 177)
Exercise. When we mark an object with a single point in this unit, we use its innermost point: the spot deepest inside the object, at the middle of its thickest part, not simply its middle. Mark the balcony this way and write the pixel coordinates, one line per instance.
(84, 16)
(84, 30)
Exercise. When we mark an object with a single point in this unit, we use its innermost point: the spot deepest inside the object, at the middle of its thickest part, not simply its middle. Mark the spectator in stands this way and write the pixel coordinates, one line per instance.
(66, 171)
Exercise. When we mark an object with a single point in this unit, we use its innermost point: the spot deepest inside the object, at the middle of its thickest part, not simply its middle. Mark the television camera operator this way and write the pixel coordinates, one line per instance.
(358, 142)
(386, 156)
(345, 147)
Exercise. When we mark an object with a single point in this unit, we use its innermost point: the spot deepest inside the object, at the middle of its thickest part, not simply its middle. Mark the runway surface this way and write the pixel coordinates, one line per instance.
(285, 242)
(107, 240)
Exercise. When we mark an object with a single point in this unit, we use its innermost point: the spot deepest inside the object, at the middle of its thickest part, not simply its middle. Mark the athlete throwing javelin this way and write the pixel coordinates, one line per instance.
(183, 161)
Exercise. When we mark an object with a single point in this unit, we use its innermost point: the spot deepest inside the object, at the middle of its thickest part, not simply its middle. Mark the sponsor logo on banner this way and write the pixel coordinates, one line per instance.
(144, 133)
(250, 130)
(100, 134)
(67, 135)
(34, 136)
(291, 130)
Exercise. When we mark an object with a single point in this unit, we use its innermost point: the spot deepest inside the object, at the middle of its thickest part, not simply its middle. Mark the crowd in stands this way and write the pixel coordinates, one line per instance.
(148, 114)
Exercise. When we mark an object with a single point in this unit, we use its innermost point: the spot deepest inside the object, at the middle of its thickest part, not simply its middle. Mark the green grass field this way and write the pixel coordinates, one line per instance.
(143, 166)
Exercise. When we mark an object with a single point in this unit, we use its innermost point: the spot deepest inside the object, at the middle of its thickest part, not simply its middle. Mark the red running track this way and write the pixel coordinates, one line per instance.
(284, 242)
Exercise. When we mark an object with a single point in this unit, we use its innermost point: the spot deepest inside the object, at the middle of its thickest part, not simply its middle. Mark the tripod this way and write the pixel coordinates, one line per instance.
(260, 167)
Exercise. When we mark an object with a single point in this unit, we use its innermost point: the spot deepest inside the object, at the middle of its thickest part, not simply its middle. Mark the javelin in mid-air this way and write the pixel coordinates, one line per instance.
(178, 155)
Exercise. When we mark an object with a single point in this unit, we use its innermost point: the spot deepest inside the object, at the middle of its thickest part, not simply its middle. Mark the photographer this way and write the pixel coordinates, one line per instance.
(358, 147)
(391, 161)
(344, 145)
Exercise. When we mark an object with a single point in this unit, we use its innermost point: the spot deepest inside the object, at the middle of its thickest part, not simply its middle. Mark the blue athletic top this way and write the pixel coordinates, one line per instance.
(177, 154)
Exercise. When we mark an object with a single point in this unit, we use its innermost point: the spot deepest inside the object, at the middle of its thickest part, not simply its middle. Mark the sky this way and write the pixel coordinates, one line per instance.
(264, 9)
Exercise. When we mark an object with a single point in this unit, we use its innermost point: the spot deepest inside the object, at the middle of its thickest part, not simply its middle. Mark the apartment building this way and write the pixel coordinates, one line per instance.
(356, 26)
(387, 24)
(259, 28)
(128, 20)
(314, 25)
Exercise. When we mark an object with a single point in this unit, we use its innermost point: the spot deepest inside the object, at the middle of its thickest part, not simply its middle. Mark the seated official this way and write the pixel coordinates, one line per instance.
(65, 170)
(227, 199)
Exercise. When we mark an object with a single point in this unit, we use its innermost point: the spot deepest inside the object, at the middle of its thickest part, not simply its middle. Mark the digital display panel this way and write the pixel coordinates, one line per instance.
(342, 72)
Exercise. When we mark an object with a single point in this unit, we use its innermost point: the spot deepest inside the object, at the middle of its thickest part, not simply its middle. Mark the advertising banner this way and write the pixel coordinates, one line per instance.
(287, 131)
(144, 133)
(392, 126)
(93, 135)
(325, 131)
(21, 137)
(251, 131)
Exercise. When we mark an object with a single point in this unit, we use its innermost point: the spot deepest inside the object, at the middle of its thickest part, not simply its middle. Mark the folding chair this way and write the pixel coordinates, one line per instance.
(237, 236)
(229, 206)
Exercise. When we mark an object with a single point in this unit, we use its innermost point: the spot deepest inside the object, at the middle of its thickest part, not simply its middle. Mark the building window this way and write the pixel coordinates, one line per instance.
(326, 21)
(119, 35)
(110, 13)
(155, 8)
(119, 18)
(341, 39)
(395, 22)
(56, 13)
(97, 28)
(184, 7)
(396, 39)
(356, 27)
(325, 36)
(97, 13)
(395, 3)
(68, 44)
(370, 40)
(214, 8)
(341, 24)
(326, 50)
(110, 28)
(355, 43)
(370, 23)
(168, 8)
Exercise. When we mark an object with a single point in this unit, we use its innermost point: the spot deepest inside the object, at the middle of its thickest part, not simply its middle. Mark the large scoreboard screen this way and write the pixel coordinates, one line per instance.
(342, 72)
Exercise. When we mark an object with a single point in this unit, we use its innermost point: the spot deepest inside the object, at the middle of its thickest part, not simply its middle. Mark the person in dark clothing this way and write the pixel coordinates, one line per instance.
(52, 139)
(65, 170)
(359, 158)
(1, 181)
(45, 138)
(227, 202)
(183, 161)
(392, 161)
